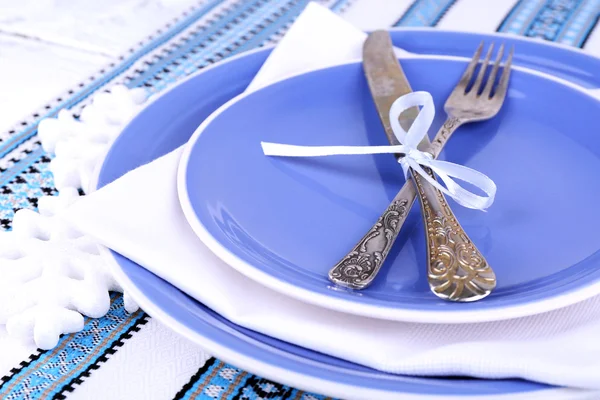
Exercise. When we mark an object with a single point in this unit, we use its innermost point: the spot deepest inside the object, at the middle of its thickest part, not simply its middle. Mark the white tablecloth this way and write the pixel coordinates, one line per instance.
(50, 46)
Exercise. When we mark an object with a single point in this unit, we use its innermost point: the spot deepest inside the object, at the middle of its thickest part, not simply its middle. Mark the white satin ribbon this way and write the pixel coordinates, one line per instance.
(413, 158)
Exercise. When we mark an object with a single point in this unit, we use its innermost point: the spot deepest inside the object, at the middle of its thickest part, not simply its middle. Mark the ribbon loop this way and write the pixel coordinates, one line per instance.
(420, 125)
(413, 159)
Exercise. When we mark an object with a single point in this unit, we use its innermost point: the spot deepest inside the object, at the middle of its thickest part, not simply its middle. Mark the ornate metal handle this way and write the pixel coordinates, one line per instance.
(360, 266)
(443, 135)
(456, 270)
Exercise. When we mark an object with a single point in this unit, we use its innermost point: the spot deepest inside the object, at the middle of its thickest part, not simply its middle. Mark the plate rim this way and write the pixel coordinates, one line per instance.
(222, 352)
(353, 305)
(291, 378)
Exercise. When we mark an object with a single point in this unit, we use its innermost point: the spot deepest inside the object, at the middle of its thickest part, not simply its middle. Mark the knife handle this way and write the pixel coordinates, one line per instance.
(456, 270)
(360, 266)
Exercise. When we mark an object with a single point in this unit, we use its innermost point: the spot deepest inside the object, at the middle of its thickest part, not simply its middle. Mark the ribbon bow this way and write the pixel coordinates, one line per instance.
(413, 158)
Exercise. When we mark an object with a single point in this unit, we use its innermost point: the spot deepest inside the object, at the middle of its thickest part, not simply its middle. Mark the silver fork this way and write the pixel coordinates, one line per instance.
(457, 271)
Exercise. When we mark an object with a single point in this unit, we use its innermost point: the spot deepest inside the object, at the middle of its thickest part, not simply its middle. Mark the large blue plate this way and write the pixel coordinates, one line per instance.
(285, 221)
(162, 127)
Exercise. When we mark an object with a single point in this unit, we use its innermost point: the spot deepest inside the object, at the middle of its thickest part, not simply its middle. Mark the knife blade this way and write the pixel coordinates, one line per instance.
(387, 82)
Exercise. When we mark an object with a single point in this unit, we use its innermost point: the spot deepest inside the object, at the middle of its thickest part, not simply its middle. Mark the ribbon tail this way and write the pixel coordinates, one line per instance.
(413, 159)
(446, 170)
(289, 150)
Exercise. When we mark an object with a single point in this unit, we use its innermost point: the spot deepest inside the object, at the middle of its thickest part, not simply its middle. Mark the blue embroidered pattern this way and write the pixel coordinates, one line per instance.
(45, 376)
(248, 35)
(226, 382)
(21, 188)
(564, 21)
(425, 13)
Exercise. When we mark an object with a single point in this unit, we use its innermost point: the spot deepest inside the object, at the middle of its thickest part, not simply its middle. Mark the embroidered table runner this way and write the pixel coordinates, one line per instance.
(129, 355)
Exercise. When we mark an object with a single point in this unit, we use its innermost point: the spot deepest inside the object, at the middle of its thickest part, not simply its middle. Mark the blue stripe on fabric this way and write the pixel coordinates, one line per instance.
(567, 17)
(264, 35)
(194, 41)
(552, 18)
(23, 164)
(291, 8)
(565, 21)
(339, 5)
(41, 379)
(226, 382)
(81, 95)
(588, 32)
(425, 13)
(205, 385)
(520, 17)
(581, 24)
(36, 181)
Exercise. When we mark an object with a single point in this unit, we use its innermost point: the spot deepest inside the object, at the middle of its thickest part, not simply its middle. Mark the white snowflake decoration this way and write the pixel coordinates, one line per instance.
(80, 145)
(50, 274)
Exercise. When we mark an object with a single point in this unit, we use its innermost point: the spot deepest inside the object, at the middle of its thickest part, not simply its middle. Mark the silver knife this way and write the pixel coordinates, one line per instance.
(358, 268)
(387, 82)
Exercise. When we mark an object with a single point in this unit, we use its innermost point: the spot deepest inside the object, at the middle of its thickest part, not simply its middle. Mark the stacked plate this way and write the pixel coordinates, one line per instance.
(284, 223)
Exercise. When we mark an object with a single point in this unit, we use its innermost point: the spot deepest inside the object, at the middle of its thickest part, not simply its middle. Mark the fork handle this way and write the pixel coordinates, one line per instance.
(456, 270)
(441, 137)
(358, 268)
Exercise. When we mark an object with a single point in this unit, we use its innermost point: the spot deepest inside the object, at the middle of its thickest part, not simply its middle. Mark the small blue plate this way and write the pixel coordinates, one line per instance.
(161, 127)
(285, 222)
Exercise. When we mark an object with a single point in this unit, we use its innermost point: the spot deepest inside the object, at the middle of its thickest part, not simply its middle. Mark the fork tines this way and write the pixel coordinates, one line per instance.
(481, 86)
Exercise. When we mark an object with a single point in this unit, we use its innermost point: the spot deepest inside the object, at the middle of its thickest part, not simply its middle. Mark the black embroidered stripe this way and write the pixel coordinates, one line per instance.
(254, 383)
(112, 349)
(195, 378)
(23, 365)
(207, 28)
(183, 51)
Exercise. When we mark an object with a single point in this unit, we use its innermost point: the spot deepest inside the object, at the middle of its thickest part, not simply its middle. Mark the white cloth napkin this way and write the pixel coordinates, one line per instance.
(140, 217)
